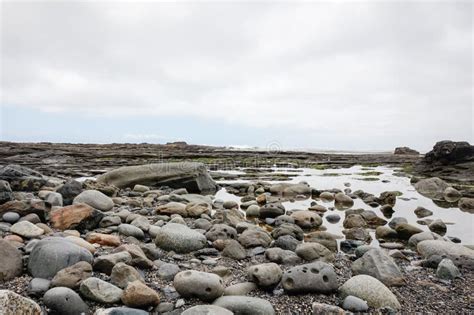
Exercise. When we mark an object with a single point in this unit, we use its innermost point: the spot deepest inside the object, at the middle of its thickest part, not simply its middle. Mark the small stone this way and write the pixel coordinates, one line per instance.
(11, 263)
(447, 270)
(314, 251)
(265, 275)
(26, 229)
(137, 294)
(354, 304)
(122, 274)
(10, 217)
(38, 286)
(317, 277)
(100, 291)
(245, 305)
(203, 285)
(72, 276)
(64, 301)
(12, 304)
(323, 309)
(243, 288)
(95, 199)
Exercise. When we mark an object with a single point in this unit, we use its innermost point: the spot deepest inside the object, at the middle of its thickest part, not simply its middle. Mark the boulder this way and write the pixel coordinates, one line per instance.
(105, 263)
(371, 290)
(26, 229)
(431, 187)
(203, 285)
(179, 238)
(466, 204)
(100, 291)
(405, 151)
(72, 276)
(459, 254)
(222, 232)
(314, 251)
(450, 152)
(377, 264)
(64, 301)
(95, 199)
(123, 274)
(22, 178)
(405, 230)
(317, 277)
(306, 219)
(255, 236)
(53, 254)
(11, 263)
(190, 175)
(265, 275)
(13, 304)
(447, 270)
(139, 295)
(69, 191)
(343, 201)
(79, 216)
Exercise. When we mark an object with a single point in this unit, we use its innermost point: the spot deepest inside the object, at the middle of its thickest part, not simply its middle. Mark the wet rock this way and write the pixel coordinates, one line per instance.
(190, 175)
(326, 239)
(333, 218)
(358, 234)
(451, 194)
(431, 187)
(385, 233)
(207, 310)
(255, 236)
(343, 201)
(265, 275)
(72, 276)
(438, 227)
(243, 288)
(326, 196)
(315, 277)
(371, 290)
(203, 285)
(466, 204)
(95, 199)
(361, 250)
(354, 220)
(271, 210)
(397, 221)
(288, 189)
(12, 303)
(253, 211)
(26, 229)
(105, 263)
(100, 291)
(11, 264)
(78, 216)
(53, 254)
(377, 264)
(123, 274)
(405, 230)
(179, 238)
(354, 304)
(447, 270)
(422, 212)
(314, 251)
(64, 301)
(139, 295)
(245, 305)
(306, 219)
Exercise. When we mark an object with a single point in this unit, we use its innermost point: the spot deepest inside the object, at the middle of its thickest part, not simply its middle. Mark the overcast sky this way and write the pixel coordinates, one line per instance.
(355, 76)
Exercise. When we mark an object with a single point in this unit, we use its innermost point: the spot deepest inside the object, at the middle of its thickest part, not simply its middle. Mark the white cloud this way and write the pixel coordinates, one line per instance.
(366, 68)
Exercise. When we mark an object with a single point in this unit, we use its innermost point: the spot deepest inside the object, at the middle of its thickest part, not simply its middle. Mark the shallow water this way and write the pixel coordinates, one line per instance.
(459, 224)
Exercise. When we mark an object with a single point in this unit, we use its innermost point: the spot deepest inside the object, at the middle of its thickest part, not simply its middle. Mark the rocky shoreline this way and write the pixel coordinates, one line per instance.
(153, 238)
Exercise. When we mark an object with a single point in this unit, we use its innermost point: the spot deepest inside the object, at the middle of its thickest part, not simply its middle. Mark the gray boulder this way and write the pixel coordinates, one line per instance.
(379, 265)
(64, 301)
(106, 263)
(100, 291)
(265, 275)
(245, 305)
(11, 263)
(431, 187)
(447, 270)
(459, 254)
(314, 251)
(371, 290)
(317, 277)
(95, 199)
(179, 238)
(22, 178)
(37, 286)
(6, 193)
(53, 254)
(190, 175)
(203, 285)
(354, 304)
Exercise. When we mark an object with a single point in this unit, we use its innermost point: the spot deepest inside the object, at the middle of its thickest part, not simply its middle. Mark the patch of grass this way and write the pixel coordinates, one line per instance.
(320, 166)
(407, 168)
(370, 164)
(370, 173)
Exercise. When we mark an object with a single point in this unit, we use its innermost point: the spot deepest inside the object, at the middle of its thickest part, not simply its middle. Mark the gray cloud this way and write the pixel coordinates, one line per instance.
(397, 73)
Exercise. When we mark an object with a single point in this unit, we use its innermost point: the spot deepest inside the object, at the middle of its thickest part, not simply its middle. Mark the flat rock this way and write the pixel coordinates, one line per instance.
(26, 229)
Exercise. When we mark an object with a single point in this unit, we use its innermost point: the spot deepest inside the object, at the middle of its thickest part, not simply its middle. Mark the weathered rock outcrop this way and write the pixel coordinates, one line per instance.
(405, 151)
(192, 176)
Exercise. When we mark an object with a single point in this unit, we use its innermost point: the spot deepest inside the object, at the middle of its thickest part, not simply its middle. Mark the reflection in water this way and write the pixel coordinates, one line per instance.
(460, 224)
